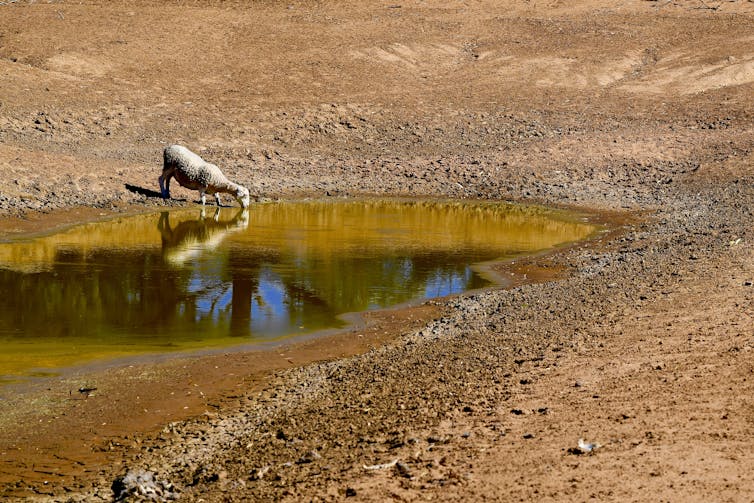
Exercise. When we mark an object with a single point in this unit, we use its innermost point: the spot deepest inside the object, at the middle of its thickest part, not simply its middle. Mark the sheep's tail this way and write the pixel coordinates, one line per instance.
(167, 157)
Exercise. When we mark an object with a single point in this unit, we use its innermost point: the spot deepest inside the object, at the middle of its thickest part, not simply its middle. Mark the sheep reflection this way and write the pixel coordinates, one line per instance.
(189, 238)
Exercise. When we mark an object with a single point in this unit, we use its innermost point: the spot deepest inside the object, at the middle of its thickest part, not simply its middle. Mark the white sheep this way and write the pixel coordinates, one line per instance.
(193, 172)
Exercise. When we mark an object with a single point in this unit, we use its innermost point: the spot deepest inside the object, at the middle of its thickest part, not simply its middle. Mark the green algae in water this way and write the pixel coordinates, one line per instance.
(190, 279)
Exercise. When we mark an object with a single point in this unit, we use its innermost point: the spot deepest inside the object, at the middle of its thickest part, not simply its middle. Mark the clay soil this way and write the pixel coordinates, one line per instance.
(642, 342)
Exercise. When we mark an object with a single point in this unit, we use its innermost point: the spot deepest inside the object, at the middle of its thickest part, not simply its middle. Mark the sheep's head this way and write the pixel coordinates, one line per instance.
(242, 196)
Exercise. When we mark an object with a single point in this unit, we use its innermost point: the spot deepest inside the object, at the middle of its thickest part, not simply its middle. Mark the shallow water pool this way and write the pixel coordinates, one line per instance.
(193, 279)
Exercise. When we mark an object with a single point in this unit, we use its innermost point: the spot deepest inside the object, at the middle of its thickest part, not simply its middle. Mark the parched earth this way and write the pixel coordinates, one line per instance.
(640, 343)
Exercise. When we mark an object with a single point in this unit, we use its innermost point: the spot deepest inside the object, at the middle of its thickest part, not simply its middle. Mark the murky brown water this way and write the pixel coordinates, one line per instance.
(184, 280)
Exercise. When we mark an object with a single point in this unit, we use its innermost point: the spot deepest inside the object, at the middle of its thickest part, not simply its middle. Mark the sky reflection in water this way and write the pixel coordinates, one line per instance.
(187, 280)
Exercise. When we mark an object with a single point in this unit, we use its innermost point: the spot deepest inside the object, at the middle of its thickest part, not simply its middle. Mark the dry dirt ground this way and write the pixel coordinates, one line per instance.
(642, 342)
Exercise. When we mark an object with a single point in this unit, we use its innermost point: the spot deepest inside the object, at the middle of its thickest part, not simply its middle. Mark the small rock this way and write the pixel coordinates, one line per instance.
(309, 457)
(142, 484)
(403, 470)
(259, 474)
(587, 447)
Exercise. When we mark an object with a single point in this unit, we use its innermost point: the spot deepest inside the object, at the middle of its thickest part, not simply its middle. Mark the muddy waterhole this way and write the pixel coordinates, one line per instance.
(185, 280)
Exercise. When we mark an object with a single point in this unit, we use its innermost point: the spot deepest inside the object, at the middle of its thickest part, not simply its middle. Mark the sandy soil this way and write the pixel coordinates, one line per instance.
(641, 342)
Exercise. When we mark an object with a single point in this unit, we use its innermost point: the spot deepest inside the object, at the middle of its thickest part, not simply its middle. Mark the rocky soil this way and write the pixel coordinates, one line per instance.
(638, 343)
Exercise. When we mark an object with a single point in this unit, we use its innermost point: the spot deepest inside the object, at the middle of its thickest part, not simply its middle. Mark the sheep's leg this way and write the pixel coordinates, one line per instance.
(204, 198)
(217, 198)
(164, 180)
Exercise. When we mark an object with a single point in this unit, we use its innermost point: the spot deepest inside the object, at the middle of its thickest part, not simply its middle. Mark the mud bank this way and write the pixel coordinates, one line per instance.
(623, 351)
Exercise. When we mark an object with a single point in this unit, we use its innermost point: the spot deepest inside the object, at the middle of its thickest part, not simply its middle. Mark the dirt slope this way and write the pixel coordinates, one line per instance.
(641, 108)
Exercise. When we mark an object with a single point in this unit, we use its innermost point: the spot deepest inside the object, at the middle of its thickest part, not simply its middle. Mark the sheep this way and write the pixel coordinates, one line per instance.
(192, 172)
